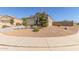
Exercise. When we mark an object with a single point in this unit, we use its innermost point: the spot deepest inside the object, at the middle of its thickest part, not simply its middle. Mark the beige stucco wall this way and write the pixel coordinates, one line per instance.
(17, 21)
(50, 20)
(8, 24)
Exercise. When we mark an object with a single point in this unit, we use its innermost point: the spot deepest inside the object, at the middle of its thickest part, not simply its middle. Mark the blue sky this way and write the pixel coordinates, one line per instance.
(57, 13)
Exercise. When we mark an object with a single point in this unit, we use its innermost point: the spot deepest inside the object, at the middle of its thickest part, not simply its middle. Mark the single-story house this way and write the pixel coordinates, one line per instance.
(35, 19)
(5, 20)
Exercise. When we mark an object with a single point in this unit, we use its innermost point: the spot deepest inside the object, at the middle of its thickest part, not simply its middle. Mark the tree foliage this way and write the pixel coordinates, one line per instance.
(43, 20)
(36, 29)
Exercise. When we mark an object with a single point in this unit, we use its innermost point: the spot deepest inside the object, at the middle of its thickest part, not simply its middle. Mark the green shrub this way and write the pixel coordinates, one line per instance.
(36, 29)
(5, 26)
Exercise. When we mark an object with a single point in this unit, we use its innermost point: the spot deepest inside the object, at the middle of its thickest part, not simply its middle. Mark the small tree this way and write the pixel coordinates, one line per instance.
(11, 21)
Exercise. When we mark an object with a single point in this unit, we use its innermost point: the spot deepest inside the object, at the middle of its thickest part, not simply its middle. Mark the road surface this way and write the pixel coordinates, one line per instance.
(13, 43)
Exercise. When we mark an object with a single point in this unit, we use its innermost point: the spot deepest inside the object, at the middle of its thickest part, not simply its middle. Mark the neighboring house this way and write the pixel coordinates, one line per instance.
(63, 23)
(35, 19)
(5, 20)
